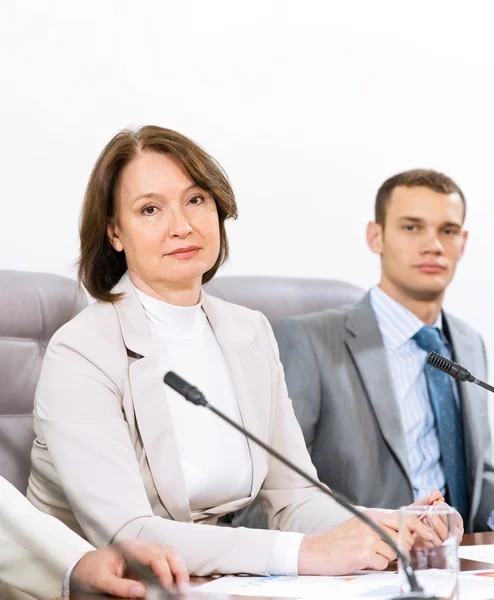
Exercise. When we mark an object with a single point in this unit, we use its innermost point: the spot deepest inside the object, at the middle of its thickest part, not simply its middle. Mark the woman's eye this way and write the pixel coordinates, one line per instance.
(148, 210)
(196, 200)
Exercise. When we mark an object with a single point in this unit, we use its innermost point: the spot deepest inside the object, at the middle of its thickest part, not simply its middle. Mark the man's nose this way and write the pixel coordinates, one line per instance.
(433, 244)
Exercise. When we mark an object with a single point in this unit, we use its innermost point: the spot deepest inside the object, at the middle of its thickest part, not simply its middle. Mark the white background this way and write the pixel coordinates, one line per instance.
(308, 105)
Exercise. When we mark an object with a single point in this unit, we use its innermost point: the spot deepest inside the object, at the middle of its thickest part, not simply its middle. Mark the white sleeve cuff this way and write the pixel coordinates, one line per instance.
(68, 573)
(283, 559)
(490, 522)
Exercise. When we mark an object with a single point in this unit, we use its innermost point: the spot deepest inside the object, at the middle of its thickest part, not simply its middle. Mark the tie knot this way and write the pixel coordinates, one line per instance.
(429, 339)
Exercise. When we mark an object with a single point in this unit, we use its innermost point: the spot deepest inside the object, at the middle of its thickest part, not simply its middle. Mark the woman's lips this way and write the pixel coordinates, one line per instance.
(184, 252)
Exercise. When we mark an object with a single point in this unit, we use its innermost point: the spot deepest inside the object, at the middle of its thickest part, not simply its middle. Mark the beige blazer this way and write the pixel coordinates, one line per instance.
(105, 460)
(35, 549)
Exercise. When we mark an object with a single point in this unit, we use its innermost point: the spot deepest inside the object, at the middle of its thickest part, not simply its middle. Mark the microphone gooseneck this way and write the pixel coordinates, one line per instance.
(455, 370)
(192, 394)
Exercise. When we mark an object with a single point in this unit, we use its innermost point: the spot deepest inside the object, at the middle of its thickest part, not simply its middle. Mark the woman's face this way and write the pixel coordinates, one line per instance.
(166, 225)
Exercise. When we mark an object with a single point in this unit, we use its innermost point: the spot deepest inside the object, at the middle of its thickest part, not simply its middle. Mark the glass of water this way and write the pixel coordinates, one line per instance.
(436, 563)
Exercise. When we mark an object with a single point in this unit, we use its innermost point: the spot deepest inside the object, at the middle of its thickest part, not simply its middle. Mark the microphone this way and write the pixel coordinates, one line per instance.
(454, 370)
(192, 394)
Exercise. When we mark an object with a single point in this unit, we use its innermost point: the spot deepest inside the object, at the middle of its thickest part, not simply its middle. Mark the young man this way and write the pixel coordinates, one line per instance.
(383, 427)
(41, 556)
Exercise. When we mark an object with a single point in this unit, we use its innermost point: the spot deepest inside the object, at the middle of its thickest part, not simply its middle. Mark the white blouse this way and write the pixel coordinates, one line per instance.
(215, 457)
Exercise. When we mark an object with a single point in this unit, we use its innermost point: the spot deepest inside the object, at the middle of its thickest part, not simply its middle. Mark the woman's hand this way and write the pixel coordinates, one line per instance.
(353, 545)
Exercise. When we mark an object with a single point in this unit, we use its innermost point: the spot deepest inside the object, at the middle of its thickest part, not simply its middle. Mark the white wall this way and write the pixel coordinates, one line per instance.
(308, 105)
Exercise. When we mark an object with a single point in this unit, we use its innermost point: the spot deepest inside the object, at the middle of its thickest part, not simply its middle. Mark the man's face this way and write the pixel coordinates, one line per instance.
(421, 242)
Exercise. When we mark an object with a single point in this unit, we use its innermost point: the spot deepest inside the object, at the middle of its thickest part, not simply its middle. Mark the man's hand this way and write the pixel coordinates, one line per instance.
(437, 524)
(353, 545)
(105, 570)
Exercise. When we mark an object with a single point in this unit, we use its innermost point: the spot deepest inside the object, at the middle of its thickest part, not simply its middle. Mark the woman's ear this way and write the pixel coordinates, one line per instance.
(112, 232)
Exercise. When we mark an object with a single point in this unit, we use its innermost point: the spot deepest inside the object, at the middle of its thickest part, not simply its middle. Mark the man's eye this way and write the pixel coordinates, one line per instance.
(196, 200)
(449, 231)
(410, 227)
(148, 210)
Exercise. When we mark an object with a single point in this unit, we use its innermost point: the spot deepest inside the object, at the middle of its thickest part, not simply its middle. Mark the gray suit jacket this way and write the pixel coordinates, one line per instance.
(340, 385)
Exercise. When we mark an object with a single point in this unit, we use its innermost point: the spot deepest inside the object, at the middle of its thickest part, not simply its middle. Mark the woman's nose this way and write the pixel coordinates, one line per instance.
(179, 225)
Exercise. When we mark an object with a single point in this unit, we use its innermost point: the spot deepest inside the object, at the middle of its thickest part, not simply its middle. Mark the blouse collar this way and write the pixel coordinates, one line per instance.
(177, 322)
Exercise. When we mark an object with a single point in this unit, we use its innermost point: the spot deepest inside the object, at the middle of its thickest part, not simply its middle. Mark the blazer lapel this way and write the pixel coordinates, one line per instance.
(472, 405)
(250, 377)
(365, 344)
(151, 405)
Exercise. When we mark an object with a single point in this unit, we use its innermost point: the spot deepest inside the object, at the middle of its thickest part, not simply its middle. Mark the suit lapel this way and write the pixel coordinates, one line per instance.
(151, 405)
(472, 403)
(250, 376)
(365, 344)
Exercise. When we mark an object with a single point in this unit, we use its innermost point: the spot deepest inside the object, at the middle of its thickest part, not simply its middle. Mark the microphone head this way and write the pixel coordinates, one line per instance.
(182, 387)
(439, 362)
(448, 366)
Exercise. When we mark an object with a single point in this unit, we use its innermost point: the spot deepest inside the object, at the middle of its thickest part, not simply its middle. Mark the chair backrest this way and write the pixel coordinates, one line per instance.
(32, 307)
(280, 297)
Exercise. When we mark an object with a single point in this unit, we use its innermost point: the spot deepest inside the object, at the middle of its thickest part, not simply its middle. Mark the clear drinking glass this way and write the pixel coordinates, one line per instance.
(436, 566)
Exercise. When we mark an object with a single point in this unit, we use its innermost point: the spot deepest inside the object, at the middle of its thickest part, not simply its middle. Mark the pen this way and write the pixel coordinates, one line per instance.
(430, 508)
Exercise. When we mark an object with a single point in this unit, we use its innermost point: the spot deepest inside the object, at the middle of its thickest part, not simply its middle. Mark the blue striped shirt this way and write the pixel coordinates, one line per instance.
(406, 363)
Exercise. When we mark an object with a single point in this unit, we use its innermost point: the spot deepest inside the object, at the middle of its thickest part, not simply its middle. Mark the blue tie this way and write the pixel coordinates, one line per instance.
(448, 422)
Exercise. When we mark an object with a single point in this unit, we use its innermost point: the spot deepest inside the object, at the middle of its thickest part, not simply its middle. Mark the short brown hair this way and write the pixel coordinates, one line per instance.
(438, 182)
(100, 265)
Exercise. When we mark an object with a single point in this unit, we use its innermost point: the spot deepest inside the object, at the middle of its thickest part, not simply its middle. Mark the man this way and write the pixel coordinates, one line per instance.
(382, 427)
(41, 556)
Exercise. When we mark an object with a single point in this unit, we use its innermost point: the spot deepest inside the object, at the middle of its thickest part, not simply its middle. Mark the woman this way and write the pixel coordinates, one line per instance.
(116, 454)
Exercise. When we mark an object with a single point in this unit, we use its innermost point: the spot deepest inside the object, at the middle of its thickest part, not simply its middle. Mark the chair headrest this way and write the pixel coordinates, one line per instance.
(281, 297)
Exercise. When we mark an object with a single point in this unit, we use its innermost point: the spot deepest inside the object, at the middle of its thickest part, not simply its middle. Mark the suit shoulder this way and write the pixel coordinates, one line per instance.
(233, 310)
(244, 321)
(459, 327)
(331, 317)
(99, 318)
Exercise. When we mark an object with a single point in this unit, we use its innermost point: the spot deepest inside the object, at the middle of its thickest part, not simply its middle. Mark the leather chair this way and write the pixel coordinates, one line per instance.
(280, 297)
(32, 307)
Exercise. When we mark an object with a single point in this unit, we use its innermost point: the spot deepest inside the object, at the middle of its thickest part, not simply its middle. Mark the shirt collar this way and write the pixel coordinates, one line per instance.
(397, 323)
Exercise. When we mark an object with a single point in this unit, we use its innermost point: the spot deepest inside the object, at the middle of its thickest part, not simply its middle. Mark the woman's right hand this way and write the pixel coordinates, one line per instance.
(353, 545)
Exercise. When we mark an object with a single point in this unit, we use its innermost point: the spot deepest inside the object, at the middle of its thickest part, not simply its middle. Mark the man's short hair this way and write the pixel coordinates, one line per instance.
(438, 182)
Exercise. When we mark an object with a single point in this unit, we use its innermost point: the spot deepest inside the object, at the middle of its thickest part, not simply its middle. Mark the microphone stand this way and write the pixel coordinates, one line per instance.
(192, 394)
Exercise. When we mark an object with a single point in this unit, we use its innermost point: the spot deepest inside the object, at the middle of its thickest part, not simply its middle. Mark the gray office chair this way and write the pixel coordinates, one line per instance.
(280, 297)
(32, 307)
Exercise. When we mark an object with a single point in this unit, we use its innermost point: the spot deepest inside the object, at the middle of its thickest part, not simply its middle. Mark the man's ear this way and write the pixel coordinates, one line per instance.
(464, 235)
(374, 235)
(112, 232)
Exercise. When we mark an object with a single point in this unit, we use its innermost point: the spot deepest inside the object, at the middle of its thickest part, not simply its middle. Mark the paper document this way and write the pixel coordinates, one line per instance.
(480, 553)
(475, 585)
(302, 587)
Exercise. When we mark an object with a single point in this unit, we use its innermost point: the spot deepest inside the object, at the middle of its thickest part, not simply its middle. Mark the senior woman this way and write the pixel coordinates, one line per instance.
(119, 456)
